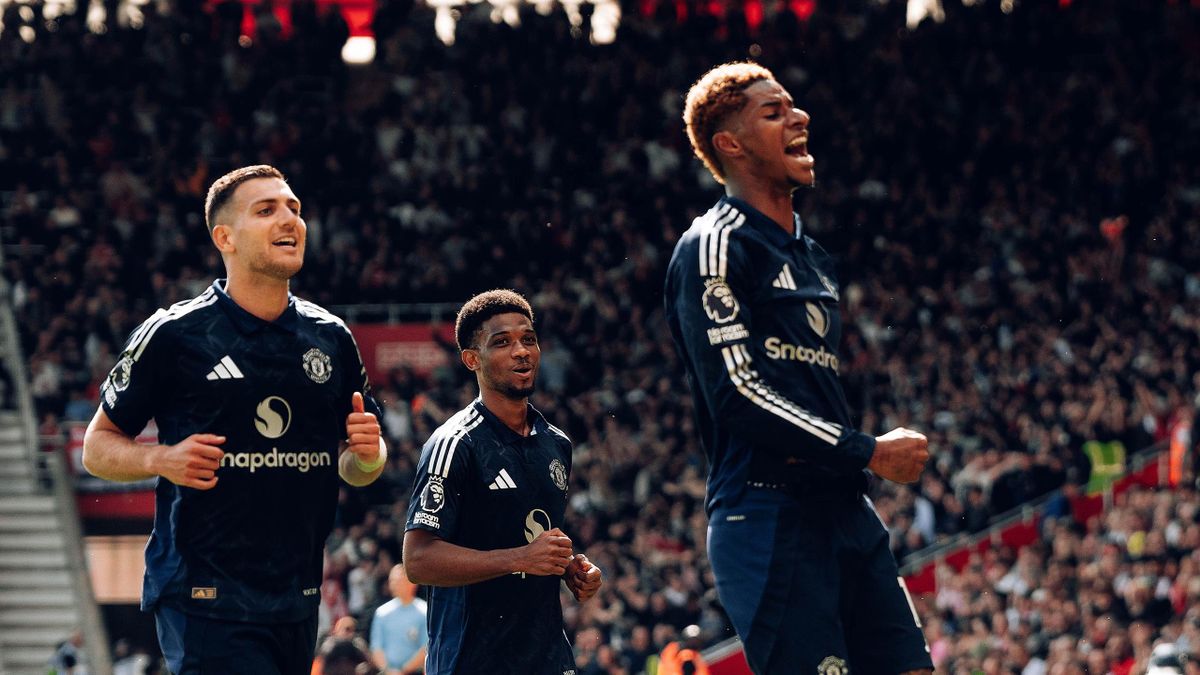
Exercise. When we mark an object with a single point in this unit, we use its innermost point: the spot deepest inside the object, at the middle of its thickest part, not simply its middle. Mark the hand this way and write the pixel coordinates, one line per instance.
(582, 577)
(900, 455)
(362, 431)
(546, 556)
(192, 462)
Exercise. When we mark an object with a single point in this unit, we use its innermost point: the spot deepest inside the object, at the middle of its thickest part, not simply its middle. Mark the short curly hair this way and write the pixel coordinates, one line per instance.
(483, 307)
(718, 94)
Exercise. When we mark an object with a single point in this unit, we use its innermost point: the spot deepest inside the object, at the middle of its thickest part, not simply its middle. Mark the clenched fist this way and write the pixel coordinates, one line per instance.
(583, 577)
(900, 455)
(192, 462)
(546, 556)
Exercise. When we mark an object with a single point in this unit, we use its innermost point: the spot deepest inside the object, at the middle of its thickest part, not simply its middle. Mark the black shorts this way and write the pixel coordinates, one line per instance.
(812, 587)
(197, 645)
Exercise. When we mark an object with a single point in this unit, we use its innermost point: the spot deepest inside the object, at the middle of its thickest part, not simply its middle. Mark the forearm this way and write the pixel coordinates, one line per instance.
(352, 473)
(782, 427)
(112, 455)
(416, 663)
(439, 563)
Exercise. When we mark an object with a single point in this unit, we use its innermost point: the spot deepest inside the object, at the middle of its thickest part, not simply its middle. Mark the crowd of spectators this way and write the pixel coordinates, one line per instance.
(1013, 197)
(1115, 595)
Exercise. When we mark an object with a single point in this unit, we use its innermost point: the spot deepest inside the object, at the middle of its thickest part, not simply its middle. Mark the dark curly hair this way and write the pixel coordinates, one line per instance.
(483, 307)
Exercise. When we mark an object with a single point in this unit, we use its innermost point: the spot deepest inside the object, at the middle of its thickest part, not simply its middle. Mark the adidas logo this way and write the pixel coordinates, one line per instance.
(225, 369)
(503, 482)
(785, 280)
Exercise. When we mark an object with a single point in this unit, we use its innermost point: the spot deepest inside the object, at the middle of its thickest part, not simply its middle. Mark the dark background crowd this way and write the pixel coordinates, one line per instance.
(1013, 197)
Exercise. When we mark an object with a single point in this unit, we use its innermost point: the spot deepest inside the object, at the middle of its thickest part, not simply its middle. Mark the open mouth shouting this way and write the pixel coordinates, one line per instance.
(798, 148)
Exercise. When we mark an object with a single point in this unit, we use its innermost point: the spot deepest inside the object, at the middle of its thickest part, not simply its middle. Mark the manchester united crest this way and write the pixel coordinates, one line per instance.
(832, 665)
(558, 474)
(829, 286)
(317, 365)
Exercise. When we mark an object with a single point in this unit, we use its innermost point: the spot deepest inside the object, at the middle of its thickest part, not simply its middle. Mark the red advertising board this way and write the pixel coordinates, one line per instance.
(421, 347)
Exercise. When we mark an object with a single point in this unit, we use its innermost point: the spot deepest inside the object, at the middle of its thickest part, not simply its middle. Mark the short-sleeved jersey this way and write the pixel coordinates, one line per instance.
(398, 630)
(754, 315)
(250, 548)
(483, 486)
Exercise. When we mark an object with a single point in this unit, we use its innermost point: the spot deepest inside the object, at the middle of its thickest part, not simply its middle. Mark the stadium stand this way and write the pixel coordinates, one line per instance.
(1014, 197)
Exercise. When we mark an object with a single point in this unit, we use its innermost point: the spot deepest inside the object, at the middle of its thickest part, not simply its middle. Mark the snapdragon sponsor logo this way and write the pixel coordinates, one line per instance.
(780, 350)
(272, 417)
(300, 461)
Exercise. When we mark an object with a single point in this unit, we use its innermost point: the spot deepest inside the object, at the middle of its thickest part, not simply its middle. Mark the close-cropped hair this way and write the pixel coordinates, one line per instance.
(719, 93)
(484, 306)
(223, 188)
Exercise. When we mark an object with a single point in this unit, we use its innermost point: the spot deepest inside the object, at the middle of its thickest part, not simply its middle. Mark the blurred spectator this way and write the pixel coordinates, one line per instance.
(398, 631)
(127, 661)
(71, 657)
(344, 652)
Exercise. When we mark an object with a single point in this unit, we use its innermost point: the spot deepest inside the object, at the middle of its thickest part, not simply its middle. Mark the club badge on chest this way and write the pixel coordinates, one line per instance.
(317, 365)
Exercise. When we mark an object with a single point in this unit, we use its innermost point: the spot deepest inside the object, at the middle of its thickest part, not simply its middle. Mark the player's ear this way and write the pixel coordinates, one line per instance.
(470, 359)
(222, 237)
(726, 143)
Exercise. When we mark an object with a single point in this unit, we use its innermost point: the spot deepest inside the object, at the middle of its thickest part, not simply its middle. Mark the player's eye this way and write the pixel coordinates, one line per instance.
(529, 339)
(266, 211)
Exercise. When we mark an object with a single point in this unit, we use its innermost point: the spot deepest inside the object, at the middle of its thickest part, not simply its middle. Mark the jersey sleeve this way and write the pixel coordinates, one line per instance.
(358, 380)
(708, 297)
(129, 394)
(440, 483)
(376, 639)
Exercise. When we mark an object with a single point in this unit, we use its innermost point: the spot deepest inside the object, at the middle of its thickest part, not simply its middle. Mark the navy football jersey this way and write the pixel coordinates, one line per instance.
(483, 486)
(250, 548)
(754, 316)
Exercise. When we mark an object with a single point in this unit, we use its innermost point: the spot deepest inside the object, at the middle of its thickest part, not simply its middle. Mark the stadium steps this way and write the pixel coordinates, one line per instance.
(14, 464)
(17, 474)
(38, 609)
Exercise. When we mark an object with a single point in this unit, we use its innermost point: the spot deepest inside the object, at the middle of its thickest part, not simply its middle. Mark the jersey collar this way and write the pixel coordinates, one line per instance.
(246, 322)
(769, 228)
(537, 422)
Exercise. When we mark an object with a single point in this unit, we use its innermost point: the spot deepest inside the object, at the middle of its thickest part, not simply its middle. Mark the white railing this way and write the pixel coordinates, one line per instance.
(52, 468)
